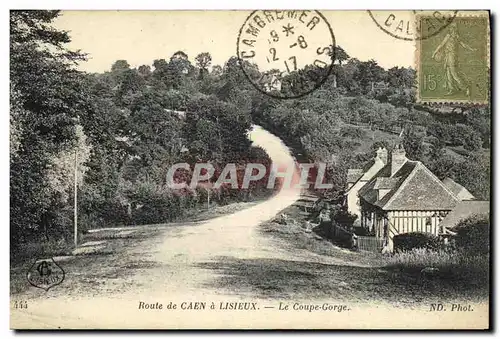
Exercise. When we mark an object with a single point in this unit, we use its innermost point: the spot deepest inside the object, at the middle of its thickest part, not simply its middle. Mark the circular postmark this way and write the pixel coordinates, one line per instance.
(45, 274)
(286, 54)
(404, 25)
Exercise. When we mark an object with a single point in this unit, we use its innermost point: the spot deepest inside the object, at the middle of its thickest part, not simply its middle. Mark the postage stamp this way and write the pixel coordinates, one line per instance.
(453, 65)
(286, 54)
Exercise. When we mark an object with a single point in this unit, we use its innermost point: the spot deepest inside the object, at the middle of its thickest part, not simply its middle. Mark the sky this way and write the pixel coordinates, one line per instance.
(140, 37)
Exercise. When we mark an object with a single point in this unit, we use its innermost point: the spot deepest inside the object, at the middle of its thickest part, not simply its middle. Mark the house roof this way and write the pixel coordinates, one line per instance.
(369, 192)
(353, 174)
(461, 192)
(464, 210)
(368, 165)
(365, 173)
(385, 183)
(412, 187)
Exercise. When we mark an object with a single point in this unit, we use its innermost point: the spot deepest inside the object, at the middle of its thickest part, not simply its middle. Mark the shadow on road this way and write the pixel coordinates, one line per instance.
(286, 279)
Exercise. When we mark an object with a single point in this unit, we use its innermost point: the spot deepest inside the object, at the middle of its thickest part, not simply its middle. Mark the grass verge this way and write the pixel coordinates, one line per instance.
(451, 267)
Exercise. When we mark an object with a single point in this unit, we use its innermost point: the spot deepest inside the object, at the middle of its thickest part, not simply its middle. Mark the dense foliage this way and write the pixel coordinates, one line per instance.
(409, 241)
(473, 234)
(122, 129)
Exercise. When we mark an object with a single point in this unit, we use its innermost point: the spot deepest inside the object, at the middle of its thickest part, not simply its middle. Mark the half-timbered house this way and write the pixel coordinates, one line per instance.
(403, 196)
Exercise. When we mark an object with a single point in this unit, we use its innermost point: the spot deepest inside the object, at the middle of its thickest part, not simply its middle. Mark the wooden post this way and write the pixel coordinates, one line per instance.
(75, 199)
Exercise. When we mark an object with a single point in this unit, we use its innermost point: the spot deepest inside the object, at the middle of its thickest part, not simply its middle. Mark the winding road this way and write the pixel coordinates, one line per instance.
(184, 251)
(199, 266)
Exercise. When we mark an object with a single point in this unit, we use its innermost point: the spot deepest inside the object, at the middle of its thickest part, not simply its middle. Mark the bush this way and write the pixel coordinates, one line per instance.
(155, 204)
(345, 218)
(342, 217)
(409, 241)
(342, 238)
(473, 234)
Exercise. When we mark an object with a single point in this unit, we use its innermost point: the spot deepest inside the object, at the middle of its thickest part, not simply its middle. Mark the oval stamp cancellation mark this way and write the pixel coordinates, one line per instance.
(286, 54)
(403, 25)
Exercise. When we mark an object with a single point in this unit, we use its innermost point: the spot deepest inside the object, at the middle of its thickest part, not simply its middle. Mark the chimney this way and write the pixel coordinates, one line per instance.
(382, 154)
(398, 158)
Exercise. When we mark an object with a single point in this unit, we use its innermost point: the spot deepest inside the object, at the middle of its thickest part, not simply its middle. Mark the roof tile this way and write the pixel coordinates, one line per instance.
(412, 187)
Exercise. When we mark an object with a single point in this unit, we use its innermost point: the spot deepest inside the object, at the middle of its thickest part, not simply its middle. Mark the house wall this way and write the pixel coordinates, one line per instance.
(353, 200)
(374, 221)
(352, 193)
(400, 222)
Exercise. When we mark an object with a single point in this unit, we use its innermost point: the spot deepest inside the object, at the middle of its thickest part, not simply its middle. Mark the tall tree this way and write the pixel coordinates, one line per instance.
(401, 77)
(203, 61)
(369, 72)
(339, 55)
(144, 71)
(413, 143)
(48, 95)
(120, 65)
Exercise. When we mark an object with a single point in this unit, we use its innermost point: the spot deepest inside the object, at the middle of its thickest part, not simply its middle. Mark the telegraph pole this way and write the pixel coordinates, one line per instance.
(75, 198)
(208, 198)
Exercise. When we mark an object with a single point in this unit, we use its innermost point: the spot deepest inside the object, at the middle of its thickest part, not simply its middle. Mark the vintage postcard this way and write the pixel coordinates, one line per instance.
(267, 169)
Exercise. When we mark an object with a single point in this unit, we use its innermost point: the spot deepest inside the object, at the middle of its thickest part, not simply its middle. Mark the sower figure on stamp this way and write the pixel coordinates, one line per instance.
(447, 51)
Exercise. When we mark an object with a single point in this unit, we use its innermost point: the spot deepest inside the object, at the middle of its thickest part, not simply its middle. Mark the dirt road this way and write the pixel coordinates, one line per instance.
(181, 255)
(217, 263)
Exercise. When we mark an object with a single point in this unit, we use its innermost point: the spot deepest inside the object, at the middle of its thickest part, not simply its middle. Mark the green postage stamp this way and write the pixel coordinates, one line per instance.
(453, 65)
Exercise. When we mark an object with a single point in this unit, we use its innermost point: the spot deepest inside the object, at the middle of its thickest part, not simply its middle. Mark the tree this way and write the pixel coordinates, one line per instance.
(131, 83)
(16, 125)
(144, 71)
(479, 119)
(179, 55)
(474, 174)
(348, 76)
(203, 61)
(369, 72)
(413, 143)
(401, 77)
(473, 141)
(339, 55)
(160, 72)
(442, 164)
(234, 80)
(172, 75)
(216, 71)
(156, 134)
(120, 65)
(217, 129)
(48, 96)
